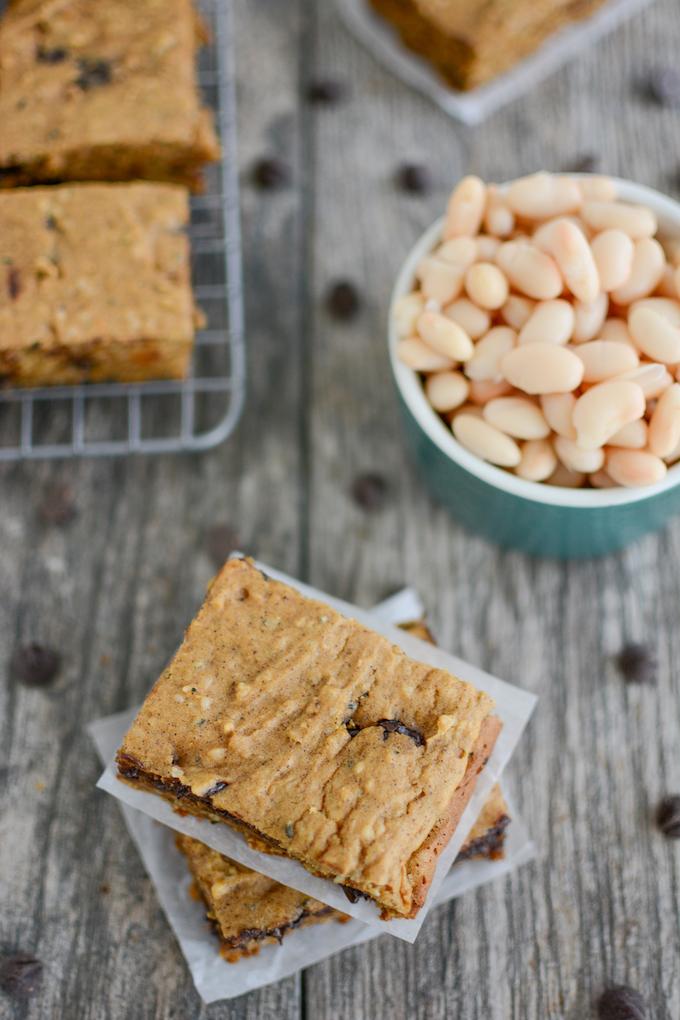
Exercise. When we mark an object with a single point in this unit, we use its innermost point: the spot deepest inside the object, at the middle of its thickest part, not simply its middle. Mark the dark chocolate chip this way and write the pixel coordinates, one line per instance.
(370, 491)
(414, 178)
(662, 86)
(215, 788)
(326, 91)
(353, 895)
(35, 665)
(13, 283)
(50, 222)
(20, 975)
(586, 163)
(668, 816)
(621, 1003)
(352, 727)
(93, 73)
(269, 173)
(220, 540)
(53, 55)
(58, 506)
(343, 301)
(395, 726)
(129, 766)
(637, 663)
(290, 830)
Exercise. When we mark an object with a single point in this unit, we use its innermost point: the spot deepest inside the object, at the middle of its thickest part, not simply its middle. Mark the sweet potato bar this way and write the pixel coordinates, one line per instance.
(291, 722)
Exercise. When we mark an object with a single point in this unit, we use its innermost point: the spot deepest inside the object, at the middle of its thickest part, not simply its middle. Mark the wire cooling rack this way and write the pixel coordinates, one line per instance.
(165, 416)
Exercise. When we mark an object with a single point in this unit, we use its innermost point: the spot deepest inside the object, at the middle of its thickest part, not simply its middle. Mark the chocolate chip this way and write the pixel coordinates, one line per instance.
(662, 86)
(55, 55)
(58, 506)
(325, 90)
(413, 177)
(93, 73)
(20, 975)
(220, 540)
(370, 491)
(395, 726)
(637, 663)
(269, 173)
(583, 164)
(668, 816)
(621, 1003)
(342, 300)
(290, 830)
(50, 222)
(215, 788)
(353, 895)
(13, 283)
(35, 665)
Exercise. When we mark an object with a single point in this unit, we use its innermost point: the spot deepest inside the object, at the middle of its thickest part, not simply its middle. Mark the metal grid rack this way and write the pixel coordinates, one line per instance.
(165, 416)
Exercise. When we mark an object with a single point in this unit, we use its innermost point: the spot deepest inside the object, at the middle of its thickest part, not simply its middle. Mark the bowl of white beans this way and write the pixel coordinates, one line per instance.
(534, 336)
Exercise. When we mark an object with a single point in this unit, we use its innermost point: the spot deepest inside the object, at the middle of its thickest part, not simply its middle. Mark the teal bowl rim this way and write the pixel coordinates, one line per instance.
(411, 390)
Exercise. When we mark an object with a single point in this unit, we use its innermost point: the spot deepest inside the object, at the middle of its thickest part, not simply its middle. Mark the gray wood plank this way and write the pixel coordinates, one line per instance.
(601, 904)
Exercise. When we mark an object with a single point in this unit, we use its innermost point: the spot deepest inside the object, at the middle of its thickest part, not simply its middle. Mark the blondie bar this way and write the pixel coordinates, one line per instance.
(289, 721)
(94, 284)
(101, 91)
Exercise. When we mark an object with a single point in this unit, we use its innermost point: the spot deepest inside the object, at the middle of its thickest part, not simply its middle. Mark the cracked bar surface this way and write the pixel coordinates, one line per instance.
(94, 284)
(102, 91)
(250, 725)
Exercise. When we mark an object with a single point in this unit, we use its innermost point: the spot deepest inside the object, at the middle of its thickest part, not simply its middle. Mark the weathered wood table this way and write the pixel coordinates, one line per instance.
(113, 589)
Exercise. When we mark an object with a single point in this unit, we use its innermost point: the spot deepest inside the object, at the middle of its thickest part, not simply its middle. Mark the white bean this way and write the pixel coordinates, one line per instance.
(635, 220)
(632, 436)
(566, 479)
(576, 459)
(517, 417)
(655, 335)
(558, 410)
(485, 363)
(485, 441)
(541, 196)
(664, 425)
(649, 263)
(465, 208)
(460, 251)
(667, 307)
(677, 280)
(486, 285)
(440, 281)
(517, 310)
(498, 218)
(550, 322)
(444, 336)
(487, 247)
(484, 390)
(604, 409)
(475, 321)
(634, 467)
(603, 359)
(543, 236)
(601, 480)
(613, 253)
(615, 329)
(407, 308)
(421, 358)
(542, 368)
(538, 461)
(446, 390)
(652, 379)
(666, 286)
(595, 188)
(589, 318)
(530, 270)
(574, 258)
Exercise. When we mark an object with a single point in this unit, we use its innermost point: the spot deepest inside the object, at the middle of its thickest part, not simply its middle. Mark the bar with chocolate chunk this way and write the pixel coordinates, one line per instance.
(102, 91)
(295, 724)
(94, 284)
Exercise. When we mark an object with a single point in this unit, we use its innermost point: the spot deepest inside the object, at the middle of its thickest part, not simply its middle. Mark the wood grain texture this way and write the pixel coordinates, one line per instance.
(114, 589)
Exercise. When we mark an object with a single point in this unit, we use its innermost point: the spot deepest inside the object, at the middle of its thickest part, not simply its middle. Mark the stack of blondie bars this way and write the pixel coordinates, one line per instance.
(103, 134)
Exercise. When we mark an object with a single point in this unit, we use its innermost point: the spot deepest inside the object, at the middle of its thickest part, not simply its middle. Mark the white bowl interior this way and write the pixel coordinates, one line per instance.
(408, 382)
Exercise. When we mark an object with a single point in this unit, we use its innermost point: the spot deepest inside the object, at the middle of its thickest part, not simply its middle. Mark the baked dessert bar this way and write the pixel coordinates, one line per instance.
(293, 723)
(94, 284)
(470, 42)
(248, 910)
(101, 91)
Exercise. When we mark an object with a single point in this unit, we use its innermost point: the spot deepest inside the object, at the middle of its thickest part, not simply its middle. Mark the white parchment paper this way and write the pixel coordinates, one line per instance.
(513, 706)
(474, 106)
